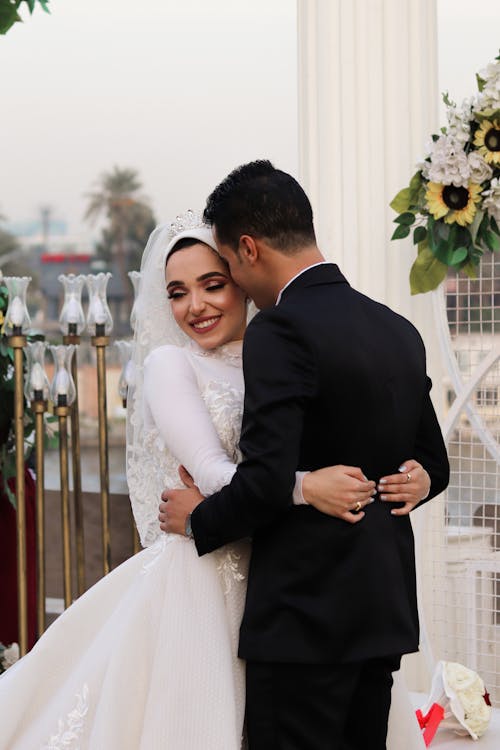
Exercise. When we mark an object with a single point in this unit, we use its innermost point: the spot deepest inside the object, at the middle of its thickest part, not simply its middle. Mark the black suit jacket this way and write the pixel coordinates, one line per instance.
(331, 377)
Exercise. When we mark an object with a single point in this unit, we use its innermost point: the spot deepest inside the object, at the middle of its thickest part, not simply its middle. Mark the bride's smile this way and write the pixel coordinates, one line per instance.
(206, 303)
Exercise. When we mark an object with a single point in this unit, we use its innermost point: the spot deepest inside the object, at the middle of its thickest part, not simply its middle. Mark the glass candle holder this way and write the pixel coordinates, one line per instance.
(62, 388)
(36, 384)
(127, 374)
(99, 320)
(72, 318)
(17, 319)
(135, 278)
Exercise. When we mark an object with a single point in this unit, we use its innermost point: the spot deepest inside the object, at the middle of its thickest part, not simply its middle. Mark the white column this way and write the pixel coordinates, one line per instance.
(368, 103)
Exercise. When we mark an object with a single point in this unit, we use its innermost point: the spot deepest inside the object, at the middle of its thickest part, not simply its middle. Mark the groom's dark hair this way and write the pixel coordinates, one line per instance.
(264, 202)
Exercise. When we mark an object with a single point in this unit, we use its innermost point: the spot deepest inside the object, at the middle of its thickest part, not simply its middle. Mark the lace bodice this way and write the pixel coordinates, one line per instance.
(193, 403)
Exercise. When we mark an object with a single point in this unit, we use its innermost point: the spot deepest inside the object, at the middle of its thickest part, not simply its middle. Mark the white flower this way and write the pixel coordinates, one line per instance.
(459, 121)
(479, 169)
(490, 95)
(10, 655)
(469, 690)
(491, 200)
(449, 164)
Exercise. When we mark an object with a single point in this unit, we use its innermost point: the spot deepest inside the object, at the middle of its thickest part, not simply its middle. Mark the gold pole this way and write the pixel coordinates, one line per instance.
(77, 470)
(100, 341)
(62, 414)
(39, 408)
(18, 342)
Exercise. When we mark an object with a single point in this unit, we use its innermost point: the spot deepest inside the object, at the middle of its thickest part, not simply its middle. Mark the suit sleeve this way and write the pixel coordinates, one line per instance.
(430, 449)
(280, 381)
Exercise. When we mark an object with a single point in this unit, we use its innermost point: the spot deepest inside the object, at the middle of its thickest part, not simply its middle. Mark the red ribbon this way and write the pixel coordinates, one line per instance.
(430, 722)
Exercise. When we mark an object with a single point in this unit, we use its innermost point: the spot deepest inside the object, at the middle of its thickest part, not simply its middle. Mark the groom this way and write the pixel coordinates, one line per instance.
(331, 377)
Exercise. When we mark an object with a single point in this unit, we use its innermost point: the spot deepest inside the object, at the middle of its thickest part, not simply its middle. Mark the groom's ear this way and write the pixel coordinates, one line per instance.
(248, 249)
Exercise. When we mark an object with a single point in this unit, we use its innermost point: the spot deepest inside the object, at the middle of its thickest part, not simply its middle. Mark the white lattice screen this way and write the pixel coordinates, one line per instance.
(465, 546)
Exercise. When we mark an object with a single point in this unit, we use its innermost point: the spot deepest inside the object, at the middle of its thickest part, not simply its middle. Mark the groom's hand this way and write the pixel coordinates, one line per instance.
(339, 491)
(176, 506)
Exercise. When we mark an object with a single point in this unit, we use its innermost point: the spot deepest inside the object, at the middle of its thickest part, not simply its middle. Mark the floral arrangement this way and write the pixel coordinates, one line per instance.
(8, 656)
(458, 700)
(469, 701)
(454, 198)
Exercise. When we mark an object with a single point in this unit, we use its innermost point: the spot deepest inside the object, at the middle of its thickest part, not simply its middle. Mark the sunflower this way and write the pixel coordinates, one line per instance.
(455, 204)
(488, 141)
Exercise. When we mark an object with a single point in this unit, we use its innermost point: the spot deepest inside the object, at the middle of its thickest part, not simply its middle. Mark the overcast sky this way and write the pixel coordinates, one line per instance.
(183, 91)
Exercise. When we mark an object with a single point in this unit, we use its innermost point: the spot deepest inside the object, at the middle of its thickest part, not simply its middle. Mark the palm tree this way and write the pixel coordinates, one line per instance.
(129, 214)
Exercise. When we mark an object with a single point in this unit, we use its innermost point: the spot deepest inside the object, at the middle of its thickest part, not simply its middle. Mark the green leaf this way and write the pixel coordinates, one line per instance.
(487, 114)
(492, 241)
(480, 82)
(400, 232)
(31, 5)
(419, 235)
(447, 101)
(407, 219)
(494, 225)
(458, 255)
(8, 17)
(401, 202)
(444, 252)
(470, 269)
(427, 271)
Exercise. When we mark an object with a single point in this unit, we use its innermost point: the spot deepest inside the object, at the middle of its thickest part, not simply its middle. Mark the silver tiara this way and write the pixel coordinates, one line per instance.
(188, 220)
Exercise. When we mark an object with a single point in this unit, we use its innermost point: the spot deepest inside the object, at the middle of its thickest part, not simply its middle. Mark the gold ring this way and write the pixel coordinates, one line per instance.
(357, 507)
(408, 477)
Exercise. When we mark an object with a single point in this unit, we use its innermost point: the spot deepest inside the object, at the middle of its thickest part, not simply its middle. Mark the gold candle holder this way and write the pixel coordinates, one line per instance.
(17, 322)
(37, 392)
(18, 342)
(39, 407)
(62, 412)
(62, 393)
(73, 338)
(100, 341)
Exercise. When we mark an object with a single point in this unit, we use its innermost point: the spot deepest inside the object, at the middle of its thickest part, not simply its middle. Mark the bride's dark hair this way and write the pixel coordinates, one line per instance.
(190, 242)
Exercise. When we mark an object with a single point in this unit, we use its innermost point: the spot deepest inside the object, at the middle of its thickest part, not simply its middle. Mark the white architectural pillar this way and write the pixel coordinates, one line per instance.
(368, 103)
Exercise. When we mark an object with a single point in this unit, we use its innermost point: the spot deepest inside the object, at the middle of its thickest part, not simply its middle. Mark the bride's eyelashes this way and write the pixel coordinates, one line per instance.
(178, 293)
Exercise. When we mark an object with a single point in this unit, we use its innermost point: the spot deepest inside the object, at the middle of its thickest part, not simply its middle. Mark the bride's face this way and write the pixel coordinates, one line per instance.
(206, 303)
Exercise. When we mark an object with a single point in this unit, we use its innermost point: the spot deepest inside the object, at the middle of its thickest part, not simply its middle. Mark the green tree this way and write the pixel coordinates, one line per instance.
(130, 219)
(12, 260)
(9, 14)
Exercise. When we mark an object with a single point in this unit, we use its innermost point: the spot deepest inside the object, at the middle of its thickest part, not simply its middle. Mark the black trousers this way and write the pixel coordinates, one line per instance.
(319, 707)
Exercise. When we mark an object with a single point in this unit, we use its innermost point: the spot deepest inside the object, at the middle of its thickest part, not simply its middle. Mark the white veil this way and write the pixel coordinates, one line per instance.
(155, 326)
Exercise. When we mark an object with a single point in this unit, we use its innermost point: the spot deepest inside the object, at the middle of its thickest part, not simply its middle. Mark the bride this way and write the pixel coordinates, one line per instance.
(146, 659)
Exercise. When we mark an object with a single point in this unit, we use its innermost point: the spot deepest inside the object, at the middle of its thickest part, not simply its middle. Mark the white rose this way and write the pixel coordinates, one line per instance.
(480, 171)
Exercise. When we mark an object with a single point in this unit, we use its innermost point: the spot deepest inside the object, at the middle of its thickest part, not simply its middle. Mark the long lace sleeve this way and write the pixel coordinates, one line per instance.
(177, 407)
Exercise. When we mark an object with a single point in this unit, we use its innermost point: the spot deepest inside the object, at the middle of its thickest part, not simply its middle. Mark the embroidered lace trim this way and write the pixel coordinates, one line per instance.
(69, 731)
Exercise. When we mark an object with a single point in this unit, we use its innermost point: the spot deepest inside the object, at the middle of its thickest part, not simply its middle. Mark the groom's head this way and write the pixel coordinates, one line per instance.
(263, 223)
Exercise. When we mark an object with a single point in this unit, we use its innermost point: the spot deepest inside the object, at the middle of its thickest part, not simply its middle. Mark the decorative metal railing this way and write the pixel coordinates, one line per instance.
(31, 383)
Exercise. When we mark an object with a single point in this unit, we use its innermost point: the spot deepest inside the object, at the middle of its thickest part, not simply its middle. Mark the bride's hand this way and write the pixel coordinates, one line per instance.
(186, 477)
(411, 485)
(339, 491)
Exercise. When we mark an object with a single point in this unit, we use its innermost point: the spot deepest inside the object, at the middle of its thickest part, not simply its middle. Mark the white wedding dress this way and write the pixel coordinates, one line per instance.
(146, 659)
